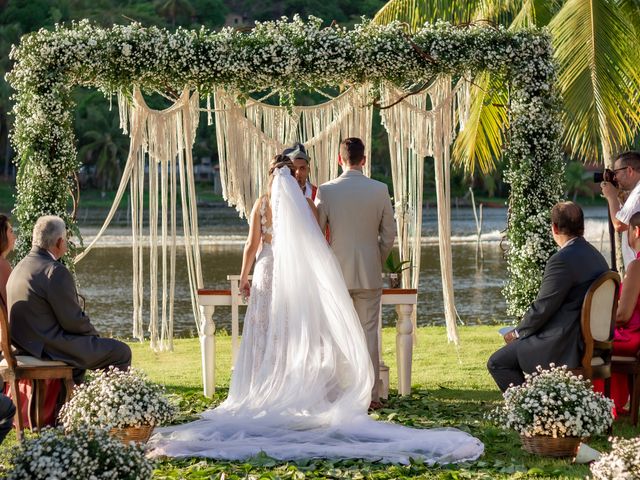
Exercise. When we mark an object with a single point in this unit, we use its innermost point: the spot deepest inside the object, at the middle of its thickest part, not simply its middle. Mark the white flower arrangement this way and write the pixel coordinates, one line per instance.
(286, 56)
(621, 463)
(554, 403)
(116, 399)
(89, 454)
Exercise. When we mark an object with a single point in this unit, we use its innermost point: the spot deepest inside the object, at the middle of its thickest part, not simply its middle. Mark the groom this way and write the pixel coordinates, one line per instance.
(358, 211)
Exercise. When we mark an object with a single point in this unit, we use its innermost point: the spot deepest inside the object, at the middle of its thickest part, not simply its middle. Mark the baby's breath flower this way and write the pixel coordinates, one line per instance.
(114, 398)
(622, 463)
(554, 403)
(88, 453)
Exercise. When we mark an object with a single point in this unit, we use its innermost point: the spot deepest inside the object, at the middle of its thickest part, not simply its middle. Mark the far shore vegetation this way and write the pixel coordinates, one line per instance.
(98, 199)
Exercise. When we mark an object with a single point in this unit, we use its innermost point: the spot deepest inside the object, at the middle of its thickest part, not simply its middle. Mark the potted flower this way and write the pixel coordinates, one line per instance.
(124, 402)
(90, 453)
(394, 268)
(553, 410)
(622, 462)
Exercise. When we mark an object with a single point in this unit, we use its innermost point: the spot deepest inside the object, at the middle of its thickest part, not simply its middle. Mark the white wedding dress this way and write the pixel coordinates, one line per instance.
(302, 380)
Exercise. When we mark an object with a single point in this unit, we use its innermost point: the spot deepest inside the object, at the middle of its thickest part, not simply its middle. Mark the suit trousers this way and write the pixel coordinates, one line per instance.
(107, 352)
(7, 411)
(504, 367)
(367, 305)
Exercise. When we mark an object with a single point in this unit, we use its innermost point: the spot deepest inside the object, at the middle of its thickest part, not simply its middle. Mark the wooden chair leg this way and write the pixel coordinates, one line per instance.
(31, 407)
(18, 417)
(39, 392)
(607, 393)
(69, 385)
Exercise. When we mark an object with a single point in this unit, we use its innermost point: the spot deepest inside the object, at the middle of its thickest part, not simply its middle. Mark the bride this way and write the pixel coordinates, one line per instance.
(302, 380)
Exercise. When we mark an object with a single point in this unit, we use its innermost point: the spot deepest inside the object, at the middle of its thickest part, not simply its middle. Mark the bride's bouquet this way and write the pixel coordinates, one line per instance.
(117, 399)
(554, 403)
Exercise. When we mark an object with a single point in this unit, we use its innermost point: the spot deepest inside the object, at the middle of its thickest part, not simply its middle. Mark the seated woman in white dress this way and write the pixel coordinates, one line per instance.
(302, 380)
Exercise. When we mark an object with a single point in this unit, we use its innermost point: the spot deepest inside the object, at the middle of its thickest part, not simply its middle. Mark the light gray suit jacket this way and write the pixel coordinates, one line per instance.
(360, 218)
(46, 319)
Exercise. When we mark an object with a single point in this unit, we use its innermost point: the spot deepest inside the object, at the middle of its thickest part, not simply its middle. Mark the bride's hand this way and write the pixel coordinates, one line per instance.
(245, 287)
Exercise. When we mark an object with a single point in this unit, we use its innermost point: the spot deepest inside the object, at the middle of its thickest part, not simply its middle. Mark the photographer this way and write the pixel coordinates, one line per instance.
(625, 176)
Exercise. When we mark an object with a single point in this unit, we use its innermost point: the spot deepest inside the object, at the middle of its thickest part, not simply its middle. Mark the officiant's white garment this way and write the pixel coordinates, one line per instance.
(302, 381)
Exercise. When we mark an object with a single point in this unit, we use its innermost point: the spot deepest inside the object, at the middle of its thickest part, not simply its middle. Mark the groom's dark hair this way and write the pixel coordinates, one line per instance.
(352, 150)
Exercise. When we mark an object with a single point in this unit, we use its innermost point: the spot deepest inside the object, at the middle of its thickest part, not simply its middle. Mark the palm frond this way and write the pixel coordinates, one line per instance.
(599, 76)
(535, 13)
(497, 11)
(631, 10)
(480, 142)
(416, 12)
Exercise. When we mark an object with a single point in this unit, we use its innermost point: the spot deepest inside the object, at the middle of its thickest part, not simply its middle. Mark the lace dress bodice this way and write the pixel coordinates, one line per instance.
(266, 221)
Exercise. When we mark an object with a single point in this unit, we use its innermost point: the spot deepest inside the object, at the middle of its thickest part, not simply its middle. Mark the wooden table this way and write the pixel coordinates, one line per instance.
(403, 299)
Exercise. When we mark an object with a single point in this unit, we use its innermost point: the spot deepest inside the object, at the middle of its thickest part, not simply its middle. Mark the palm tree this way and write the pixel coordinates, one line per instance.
(596, 45)
(575, 180)
(172, 9)
(9, 34)
(106, 146)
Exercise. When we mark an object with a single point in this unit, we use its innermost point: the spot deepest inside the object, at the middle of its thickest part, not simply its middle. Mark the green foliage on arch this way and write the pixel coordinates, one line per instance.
(290, 55)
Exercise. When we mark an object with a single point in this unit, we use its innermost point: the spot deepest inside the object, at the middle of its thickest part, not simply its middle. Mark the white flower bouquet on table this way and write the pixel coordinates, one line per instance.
(554, 403)
(88, 453)
(622, 463)
(117, 399)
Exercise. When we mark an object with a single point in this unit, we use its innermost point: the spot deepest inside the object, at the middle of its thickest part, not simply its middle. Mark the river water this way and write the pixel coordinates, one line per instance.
(105, 274)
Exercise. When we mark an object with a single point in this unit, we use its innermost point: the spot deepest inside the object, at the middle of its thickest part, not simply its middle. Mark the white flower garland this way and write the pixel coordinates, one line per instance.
(289, 55)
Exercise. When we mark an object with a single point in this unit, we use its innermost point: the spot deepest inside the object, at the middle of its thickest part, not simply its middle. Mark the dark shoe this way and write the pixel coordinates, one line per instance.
(375, 406)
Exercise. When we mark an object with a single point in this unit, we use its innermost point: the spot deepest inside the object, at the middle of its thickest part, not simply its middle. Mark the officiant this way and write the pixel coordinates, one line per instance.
(298, 155)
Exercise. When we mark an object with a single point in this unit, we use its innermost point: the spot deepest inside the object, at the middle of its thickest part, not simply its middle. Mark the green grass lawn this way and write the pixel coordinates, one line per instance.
(451, 388)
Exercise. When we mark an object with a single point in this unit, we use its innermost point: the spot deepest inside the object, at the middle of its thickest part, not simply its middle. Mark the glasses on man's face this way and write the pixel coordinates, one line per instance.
(616, 170)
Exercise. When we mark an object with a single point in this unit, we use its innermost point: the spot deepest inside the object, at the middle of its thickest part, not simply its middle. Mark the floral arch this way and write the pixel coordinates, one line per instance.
(288, 56)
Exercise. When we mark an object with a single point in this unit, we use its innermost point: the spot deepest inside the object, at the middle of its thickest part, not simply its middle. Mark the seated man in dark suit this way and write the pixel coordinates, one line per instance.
(45, 316)
(7, 411)
(550, 330)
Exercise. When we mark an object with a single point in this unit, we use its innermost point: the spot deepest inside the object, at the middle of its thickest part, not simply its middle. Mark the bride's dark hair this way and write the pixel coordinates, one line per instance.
(279, 161)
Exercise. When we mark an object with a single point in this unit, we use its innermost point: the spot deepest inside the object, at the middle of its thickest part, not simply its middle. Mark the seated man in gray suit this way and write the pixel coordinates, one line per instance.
(45, 317)
(550, 332)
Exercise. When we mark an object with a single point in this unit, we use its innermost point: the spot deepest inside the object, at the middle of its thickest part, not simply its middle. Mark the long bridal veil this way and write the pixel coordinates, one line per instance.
(308, 395)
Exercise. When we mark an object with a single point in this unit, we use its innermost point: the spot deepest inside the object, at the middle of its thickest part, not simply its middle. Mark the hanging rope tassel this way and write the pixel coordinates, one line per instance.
(161, 145)
(419, 126)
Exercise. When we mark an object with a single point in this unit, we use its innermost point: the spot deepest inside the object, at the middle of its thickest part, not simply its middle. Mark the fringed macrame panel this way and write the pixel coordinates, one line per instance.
(418, 126)
(161, 145)
(250, 136)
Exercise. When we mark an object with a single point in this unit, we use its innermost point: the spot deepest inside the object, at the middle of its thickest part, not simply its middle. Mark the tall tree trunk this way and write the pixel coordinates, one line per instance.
(608, 163)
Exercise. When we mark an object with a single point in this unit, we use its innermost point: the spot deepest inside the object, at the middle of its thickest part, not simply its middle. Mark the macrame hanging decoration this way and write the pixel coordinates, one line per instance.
(160, 154)
(250, 136)
(418, 126)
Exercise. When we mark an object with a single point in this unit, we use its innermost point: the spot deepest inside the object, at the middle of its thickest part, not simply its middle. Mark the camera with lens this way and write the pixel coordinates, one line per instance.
(607, 176)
